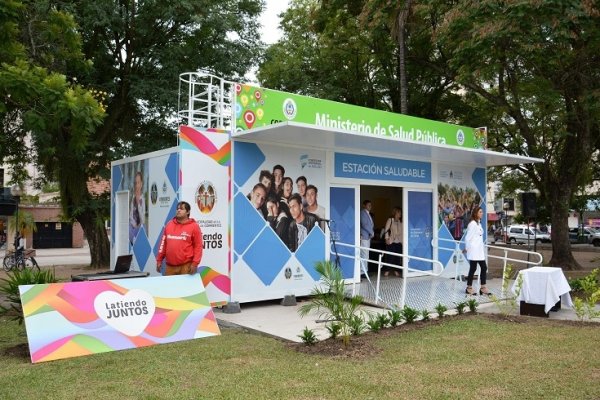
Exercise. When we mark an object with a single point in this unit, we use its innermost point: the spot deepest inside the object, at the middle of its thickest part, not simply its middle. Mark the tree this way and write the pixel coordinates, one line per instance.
(137, 51)
(347, 51)
(537, 64)
(45, 119)
(397, 15)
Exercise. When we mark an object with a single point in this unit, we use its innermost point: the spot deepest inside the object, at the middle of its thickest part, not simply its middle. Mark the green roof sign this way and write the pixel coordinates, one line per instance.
(256, 107)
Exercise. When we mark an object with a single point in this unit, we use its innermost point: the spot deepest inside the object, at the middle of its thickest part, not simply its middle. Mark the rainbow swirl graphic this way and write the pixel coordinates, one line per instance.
(80, 318)
(203, 144)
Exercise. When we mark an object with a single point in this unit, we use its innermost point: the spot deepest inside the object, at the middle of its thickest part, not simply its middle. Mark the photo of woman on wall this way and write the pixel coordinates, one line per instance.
(137, 207)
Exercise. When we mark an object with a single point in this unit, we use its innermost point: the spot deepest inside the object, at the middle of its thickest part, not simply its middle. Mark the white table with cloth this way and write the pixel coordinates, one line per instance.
(543, 285)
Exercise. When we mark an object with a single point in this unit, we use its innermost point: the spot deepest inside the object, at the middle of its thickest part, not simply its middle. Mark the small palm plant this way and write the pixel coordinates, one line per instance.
(329, 299)
(9, 287)
(441, 310)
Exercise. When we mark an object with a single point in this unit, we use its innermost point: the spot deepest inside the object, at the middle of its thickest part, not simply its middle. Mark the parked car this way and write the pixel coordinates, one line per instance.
(585, 234)
(524, 233)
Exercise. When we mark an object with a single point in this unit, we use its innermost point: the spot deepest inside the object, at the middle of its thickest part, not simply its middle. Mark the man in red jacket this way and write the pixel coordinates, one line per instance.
(181, 243)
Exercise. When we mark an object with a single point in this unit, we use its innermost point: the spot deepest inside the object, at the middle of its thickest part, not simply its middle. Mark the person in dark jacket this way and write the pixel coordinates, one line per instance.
(301, 224)
(278, 219)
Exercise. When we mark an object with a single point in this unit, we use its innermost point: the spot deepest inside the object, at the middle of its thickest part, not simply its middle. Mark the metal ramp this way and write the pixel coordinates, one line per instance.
(423, 293)
(426, 290)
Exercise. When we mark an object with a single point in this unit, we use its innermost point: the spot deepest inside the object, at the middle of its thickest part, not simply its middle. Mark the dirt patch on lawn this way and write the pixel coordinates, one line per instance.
(20, 350)
(362, 346)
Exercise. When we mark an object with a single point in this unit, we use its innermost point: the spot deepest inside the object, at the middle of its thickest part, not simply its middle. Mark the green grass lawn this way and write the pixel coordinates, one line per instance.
(460, 358)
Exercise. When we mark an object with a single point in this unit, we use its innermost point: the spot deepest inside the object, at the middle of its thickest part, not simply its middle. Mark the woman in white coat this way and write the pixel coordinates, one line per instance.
(474, 247)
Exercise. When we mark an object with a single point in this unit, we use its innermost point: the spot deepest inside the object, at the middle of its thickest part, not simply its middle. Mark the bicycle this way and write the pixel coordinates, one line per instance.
(19, 261)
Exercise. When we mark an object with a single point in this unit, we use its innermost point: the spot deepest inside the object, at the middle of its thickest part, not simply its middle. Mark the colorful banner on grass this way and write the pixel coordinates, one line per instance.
(256, 107)
(74, 319)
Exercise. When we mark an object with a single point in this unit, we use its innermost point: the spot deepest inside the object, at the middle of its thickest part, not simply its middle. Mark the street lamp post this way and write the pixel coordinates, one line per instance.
(506, 206)
(16, 192)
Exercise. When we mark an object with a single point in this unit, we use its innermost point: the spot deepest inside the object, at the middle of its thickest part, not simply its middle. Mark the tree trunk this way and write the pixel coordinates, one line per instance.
(97, 240)
(402, 19)
(562, 256)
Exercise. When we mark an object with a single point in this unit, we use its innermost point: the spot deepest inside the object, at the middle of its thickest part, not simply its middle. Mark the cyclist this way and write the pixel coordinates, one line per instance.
(19, 246)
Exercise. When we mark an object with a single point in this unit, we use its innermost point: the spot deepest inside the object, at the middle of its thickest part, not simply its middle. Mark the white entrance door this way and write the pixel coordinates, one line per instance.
(122, 225)
(419, 229)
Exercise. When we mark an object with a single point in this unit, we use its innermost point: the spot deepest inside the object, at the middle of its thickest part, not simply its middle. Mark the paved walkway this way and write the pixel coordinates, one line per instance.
(61, 257)
(284, 322)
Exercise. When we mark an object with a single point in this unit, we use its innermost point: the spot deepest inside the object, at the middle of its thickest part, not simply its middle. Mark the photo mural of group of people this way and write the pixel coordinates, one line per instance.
(289, 205)
(457, 198)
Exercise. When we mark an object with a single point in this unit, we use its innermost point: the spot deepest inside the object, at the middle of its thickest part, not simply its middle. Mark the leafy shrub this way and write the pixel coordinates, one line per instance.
(507, 306)
(395, 317)
(581, 284)
(357, 325)
(441, 310)
(460, 307)
(585, 306)
(409, 314)
(472, 303)
(425, 315)
(384, 320)
(374, 324)
(334, 329)
(10, 288)
(308, 336)
(329, 299)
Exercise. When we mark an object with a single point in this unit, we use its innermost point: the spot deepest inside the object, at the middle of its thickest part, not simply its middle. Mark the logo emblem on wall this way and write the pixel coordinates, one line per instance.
(206, 197)
(153, 193)
(288, 273)
(460, 137)
(303, 160)
(289, 108)
(164, 200)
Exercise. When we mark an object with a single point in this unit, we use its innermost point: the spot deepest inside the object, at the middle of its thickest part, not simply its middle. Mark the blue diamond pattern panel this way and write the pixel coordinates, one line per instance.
(248, 158)
(479, 180)
(142, 248)
(267, 256)
(342, 226)
(117, 177)
(247, 224)
(311, 251)
(444, 255)
(172, 170)
(420, 229)
(169, 216)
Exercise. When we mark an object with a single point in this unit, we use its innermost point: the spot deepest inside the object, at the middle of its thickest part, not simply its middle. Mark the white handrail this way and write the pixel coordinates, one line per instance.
(404, 267)
(457, 250)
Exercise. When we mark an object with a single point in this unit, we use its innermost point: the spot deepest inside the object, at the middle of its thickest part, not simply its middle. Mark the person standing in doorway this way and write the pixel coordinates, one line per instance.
(474, 248)
(181, 244)
(394, 237)
(366, 234)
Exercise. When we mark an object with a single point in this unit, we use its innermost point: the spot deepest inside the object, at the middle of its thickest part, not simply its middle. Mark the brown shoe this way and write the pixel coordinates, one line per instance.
(469, 290)
(484, 291)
